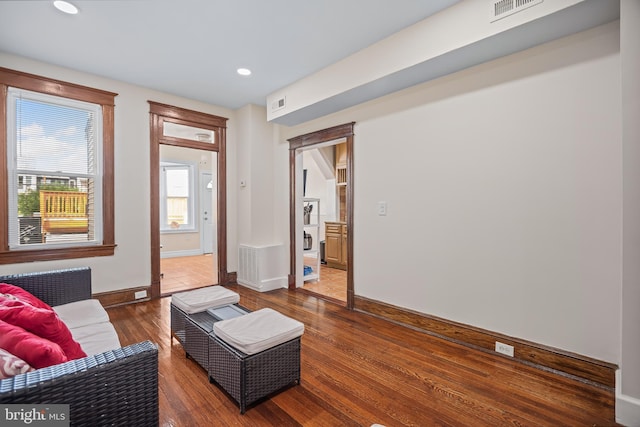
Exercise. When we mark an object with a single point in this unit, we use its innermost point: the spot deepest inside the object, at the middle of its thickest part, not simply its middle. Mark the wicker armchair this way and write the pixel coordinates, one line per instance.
(118, 387)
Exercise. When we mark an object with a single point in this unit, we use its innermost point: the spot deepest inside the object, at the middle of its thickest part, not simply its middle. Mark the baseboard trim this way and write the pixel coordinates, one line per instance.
(627, 410)
(177, 254)
(265, 285)
(128, 296)
(232, 279)
(121, 297)
(581, 367)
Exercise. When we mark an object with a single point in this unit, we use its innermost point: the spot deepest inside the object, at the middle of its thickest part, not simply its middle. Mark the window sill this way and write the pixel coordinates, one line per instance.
(18, 256)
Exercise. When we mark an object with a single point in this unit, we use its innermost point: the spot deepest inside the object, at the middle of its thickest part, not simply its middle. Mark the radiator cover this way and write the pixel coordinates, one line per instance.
(262, 268)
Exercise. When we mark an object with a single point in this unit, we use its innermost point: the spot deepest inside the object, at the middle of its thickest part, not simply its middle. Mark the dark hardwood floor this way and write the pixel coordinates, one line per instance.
(358, 370)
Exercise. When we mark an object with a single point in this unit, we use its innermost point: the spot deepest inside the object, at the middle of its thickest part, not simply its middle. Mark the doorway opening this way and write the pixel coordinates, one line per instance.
(188, 200)
(298, 224)
(324, 220)
(188, 196)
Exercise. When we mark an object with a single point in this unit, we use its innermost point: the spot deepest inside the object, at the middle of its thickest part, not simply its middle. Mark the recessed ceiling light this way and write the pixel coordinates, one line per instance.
(244, 71)
(65, 7)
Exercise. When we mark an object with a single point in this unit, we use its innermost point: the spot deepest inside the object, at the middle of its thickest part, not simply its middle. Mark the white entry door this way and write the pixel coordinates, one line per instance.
(208, 212)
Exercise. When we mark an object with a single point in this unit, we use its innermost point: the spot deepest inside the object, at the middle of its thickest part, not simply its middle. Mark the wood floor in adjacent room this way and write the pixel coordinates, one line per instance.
(358, 370)
(332, 283)
(188, 272)
(192, 272)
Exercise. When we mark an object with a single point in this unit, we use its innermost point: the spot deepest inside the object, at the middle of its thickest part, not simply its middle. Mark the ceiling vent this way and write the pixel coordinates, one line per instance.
(504, 8)
(278, 104)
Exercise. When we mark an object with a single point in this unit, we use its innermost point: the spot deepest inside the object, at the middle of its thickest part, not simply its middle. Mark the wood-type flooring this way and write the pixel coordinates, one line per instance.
(192, 272)
(358, 370)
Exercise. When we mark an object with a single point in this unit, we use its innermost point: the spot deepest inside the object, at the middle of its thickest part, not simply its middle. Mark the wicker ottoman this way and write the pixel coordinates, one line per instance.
(186, 303)
(267, 361)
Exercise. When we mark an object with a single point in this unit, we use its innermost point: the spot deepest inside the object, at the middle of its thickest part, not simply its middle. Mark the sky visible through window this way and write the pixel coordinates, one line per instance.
(51, 138)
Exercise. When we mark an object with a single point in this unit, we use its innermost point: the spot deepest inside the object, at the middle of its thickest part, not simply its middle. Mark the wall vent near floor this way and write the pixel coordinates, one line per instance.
(503, 8)
(262, 268)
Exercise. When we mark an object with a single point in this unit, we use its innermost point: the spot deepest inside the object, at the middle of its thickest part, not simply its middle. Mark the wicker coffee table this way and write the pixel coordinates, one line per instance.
(246, 378)
(197, 327)
(250, 378)
(184, 304)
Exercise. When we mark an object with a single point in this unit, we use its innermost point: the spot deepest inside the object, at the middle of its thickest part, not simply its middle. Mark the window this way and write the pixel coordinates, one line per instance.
(57, 155)
(177, 196)
(58, 141)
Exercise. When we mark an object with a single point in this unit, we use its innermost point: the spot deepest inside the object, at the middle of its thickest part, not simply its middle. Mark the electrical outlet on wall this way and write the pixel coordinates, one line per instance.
(504, 348)
(140, 294)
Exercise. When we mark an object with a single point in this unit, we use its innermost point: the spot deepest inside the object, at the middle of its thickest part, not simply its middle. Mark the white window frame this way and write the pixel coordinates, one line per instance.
(13, 94)
(192, 225)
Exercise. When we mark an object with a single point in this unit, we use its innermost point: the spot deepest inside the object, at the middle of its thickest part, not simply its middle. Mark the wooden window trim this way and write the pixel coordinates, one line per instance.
(20, 80)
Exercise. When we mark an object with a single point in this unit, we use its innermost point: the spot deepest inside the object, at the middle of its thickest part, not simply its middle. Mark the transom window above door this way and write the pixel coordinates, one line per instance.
(177, 130)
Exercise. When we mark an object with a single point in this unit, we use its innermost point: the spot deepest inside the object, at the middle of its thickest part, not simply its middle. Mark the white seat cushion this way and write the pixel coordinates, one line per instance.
(81, 313)
(257, 331)
(199, 300)
(96, 338)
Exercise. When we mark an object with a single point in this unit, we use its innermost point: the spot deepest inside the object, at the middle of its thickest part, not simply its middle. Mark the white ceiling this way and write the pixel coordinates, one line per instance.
(576, 16)
(192, 48)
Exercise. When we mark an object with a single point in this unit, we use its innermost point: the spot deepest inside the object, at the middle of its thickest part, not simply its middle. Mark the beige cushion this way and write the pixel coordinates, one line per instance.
(81, 313)
(257, 331)
(96, 338)
(199, 300)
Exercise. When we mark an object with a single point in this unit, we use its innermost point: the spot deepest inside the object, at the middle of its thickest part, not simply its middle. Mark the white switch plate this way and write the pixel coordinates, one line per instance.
(382, 208)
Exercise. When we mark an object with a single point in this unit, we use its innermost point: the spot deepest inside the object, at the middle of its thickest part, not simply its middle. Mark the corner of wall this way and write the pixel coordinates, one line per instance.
(627, 407)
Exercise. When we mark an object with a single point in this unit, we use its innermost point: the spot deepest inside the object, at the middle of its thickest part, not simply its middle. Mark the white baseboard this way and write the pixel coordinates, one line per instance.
(627, 407)
(176, 254)
(265, 285)
(627, 411)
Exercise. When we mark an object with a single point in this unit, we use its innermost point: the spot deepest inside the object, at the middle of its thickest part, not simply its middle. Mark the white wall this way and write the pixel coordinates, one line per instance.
(628, 403)
(504, 194)
(254, 179)
(131, 264)
(255, 169)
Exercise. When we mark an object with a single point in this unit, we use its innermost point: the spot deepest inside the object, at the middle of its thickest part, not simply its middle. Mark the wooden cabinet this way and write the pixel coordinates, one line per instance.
(332, 244)
(335, 245)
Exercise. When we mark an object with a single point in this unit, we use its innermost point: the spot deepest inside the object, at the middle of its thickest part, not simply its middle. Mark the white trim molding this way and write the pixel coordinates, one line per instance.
(627, 407)
(176, 254)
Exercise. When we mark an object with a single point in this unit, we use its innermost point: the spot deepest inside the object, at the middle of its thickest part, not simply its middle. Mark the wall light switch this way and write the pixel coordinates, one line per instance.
(382, 208)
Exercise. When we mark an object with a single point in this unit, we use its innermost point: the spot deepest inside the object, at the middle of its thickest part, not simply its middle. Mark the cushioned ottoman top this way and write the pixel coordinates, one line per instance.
(199, 300)
(257, 331)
